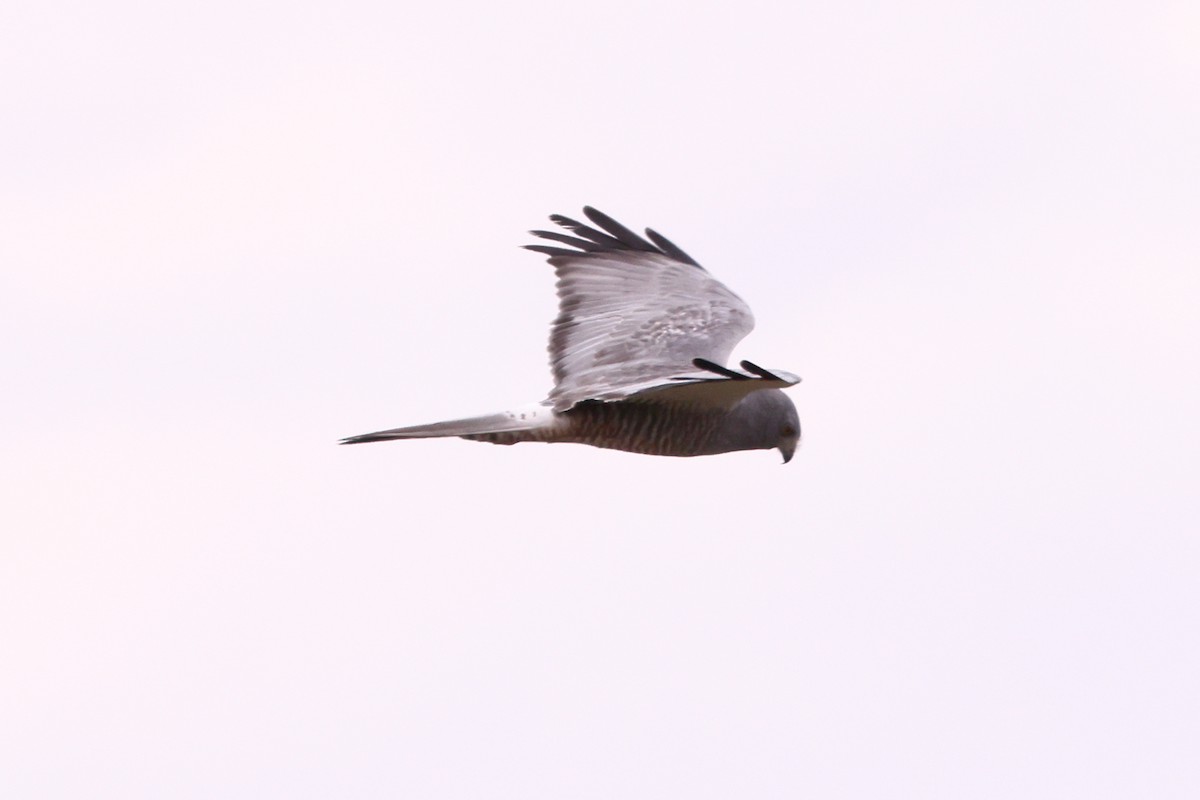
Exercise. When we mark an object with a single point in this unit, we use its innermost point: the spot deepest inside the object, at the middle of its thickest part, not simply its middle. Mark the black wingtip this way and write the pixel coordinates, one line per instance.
(566, 222)
(573, 241)
(608, 235)
(710, 366)
(622, 234)
(670, 248)
(759, 371)
(552, 252)
(579, 229)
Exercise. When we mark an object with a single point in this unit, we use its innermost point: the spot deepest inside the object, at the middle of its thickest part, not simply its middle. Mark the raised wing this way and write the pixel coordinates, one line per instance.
(632, 313)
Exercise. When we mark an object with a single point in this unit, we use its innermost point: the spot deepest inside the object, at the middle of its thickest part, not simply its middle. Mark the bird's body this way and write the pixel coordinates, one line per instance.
(637, 350)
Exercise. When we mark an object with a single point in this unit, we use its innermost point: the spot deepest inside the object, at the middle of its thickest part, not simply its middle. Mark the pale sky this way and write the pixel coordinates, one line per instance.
(236, 232)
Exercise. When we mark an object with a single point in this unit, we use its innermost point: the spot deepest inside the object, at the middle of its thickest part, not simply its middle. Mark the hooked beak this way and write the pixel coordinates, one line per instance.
(788, 451)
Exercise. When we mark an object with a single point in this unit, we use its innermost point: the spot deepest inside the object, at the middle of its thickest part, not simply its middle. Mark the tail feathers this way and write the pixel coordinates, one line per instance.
(524, 419)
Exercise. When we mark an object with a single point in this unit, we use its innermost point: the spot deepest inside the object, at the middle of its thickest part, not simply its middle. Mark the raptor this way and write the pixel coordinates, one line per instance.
(638, 352)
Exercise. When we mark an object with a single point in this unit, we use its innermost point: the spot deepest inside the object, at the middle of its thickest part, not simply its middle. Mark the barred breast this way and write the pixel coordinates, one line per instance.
(646, 428)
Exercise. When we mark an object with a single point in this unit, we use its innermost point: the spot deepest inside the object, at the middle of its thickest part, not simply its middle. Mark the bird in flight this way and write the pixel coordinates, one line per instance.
(638, 352)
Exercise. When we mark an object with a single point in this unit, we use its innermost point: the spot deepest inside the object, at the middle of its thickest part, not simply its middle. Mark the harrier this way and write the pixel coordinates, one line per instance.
(638, 352)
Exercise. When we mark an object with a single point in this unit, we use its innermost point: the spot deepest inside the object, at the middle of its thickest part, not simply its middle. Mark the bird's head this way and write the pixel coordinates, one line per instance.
(789, 430)
(767, 420)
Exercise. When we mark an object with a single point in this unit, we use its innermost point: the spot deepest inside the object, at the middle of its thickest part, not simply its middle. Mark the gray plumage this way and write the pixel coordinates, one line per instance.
(637, 351)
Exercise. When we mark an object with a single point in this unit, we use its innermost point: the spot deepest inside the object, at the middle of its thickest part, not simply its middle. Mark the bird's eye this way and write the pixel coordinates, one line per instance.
(789, 431)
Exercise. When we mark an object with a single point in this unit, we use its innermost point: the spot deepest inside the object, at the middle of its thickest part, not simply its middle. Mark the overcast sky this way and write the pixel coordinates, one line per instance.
(232, 233)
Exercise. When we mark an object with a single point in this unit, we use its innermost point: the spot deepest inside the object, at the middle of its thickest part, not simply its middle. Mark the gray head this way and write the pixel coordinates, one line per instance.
(764, 420)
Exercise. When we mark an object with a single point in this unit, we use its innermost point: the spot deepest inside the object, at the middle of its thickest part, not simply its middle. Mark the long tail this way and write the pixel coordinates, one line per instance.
(507, 422)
